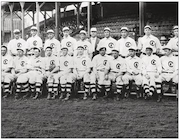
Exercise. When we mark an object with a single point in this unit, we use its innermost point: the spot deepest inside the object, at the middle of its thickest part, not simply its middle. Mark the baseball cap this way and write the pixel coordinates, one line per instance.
(64, 48)
(83, 32)
(147, 26)
(34, 28)
(132, 48)
(80, 47)
(101, 47)
(163, 38)
(65, 28)
(48, 47)
(21, 49)
(16, 31)
(149, 47)
(50, 31)
(175, 27)
(115, 50)
(124, 28)
(93, 30)
(37, 48)
(107, 28)
(3, 46)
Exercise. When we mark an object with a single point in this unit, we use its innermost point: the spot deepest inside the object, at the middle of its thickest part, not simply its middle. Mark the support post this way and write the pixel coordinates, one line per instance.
(57, 20)
(44, 20)
(37, 16)
(22, 17)
(78, 16)
(88, 18)
(33, 17)
(2, 25)
(141, 18)
(11, 6)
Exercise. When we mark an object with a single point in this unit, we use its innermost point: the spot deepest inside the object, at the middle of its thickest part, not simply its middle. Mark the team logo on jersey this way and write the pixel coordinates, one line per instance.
(118, 66)
(52, 62)
(128, 44)
(19, 45)
(105, 62)
(153, 62)
(35, 43)
(84, 62)
(111, 45)
(152, 43)
(85, 47)
(136, 64)
(68, 44)
(177, 44)
(22, 63)
(170, 64)
(66, 63)
(5, 61)
(52, 45)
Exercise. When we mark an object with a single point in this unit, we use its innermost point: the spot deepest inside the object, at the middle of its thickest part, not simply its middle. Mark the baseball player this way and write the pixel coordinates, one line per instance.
(51, 62)
(134, 69)
(85, 43)
(151, 73)
(115, 72)
(108, 42)
(7, 71)
(174, 42)
(30, 53)
(52, 42)
(82, 69)
(149, 40)
(20, 67)
(36, 68)
(15, 43)
(169, 68)
(125, 42)
(68, 41)
(99, 63)
(34, 40)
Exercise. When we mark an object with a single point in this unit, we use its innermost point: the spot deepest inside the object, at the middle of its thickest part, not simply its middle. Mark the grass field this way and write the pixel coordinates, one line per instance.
(128, 118)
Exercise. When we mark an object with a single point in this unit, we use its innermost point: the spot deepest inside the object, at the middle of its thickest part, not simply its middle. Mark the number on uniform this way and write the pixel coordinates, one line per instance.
(22, 63)
(136, 64)
(118, 66)
(170, 64)
(66, 63)
(52, 45)
(52, 62)
(153, 62)
(128, 44)
(84, 62)
(19, 45)
(5, 61)
(105, 62)
(111, 45)
(35, 43)
(68, 44)
(152, 43)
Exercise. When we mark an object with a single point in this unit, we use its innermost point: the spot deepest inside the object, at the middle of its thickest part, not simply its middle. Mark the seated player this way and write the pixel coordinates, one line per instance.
(151, 73)
(82, 69)
(134, 69)
(51, 61)
(7, 71)
(169, 68)
(115, 72)
(36, 71)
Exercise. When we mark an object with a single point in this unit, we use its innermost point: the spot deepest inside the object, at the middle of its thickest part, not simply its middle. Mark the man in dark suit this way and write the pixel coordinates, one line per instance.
(94, 40)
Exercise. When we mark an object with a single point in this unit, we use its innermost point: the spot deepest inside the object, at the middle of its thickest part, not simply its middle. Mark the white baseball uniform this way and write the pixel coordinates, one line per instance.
(34, 41)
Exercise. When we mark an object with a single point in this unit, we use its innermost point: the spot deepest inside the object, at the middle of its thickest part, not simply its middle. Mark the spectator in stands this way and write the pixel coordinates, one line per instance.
(108, 42)
(94, 40)
(15, 43)
(125, 42)
(149, 39)
(174, 42)
(53, 43)
(34, 40)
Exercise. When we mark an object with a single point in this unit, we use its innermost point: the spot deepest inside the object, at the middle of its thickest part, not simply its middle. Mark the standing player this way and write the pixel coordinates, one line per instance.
(53, 43)
(36, 73)
(125, 42)
(20, 67)
(151, 73)
(15, 43)
(7, 71)
(82, 69)
(169, 69)
(34, 40)
(99, 63)
(174, 42)
(134, 69)
(108, 42)
(85, 43)
(94, 40)
(51, 62)
(115, 72)
(68, 41)
(149, 40)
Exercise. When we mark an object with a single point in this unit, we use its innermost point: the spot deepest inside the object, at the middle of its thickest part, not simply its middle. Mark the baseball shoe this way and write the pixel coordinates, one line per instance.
(85, 96)
(61, 96)
(49, 97)
(36, 96)
(67, 97)
(159, 98)
(94, 97)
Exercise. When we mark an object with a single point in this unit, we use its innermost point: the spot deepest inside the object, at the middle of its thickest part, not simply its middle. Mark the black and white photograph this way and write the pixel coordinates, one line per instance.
(89, 69)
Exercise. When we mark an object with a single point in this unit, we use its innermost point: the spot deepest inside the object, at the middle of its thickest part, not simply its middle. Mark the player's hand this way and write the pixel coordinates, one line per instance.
(147, 76)
(106, 77)
(156, 75)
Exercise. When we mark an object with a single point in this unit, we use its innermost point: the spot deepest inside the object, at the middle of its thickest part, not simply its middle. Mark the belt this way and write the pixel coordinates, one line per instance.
(114, 71)
(167, 72)
(37, 70)
(152, 71)
(101, 70)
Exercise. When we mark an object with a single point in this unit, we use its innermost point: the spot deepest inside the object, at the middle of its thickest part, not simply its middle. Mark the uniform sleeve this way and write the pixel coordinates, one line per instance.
(58, 47)
(143, 66)
(40, 43)
(118, 46)
(134, 43)
(99, 44)
(127, 66)
(140, 44)
(159, 66)
(158, 44)
(28, 44)
(9, 47)
(169, 44)
(45, 45)
(124, 66)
